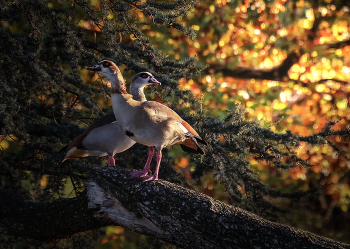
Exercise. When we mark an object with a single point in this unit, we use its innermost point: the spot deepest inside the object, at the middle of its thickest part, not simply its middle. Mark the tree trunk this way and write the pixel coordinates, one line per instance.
(182, 217)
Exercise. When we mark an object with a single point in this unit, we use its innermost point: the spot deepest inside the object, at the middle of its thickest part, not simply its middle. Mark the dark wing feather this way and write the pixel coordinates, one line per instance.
(191, 145)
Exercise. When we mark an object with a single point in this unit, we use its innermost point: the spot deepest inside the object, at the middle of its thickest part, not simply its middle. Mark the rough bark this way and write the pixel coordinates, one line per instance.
(47, 221)
(183, 217)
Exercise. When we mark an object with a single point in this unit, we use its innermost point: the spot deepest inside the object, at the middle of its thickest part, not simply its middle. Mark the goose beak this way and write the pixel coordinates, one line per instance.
(95, 68)
(152, 80)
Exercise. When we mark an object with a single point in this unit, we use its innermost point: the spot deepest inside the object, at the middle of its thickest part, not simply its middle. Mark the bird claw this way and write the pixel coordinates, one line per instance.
(150, 178)
(141, 173)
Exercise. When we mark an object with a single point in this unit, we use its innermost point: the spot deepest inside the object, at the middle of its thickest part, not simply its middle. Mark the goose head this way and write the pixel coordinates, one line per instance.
(106, 68)
(138, 84)
(143, 79)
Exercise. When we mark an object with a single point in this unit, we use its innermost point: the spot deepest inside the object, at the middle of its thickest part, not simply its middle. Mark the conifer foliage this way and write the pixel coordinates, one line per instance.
(47, 98)
(44, 99)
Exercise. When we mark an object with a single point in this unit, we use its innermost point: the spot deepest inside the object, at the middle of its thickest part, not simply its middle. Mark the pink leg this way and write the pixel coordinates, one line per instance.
(146, 169)
(155, 175)
(111, 161)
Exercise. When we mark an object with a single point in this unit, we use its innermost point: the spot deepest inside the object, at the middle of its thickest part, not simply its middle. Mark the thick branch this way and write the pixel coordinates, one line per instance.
(190, 219)
(160, 209)
(279, 73)
(46, 221)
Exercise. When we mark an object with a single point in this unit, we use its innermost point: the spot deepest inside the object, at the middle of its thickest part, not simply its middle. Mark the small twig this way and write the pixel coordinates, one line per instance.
(329, 211)
(335, 80)
(74, 188)
(75, 101)
(140, 7)
(82, 123)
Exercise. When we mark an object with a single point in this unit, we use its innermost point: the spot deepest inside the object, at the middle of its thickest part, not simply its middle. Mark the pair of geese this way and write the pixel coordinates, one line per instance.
(134, 120)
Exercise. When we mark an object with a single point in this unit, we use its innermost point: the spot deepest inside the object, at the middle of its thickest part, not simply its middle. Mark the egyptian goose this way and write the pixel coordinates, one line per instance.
(104, 136)
(149, 123)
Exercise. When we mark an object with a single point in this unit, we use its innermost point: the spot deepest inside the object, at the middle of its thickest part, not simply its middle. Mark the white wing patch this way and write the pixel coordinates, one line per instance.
(182, 127)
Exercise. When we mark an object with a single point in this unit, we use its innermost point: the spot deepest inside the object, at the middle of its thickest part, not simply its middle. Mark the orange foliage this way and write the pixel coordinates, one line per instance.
(304, 103)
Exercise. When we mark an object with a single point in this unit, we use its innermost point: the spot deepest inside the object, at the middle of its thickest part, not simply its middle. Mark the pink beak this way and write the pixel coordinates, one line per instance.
(154, 81)
(95, 68)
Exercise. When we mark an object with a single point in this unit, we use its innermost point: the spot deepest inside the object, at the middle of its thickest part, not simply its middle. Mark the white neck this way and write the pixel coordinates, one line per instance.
(117, 81)
(123, 108)
(138, 93)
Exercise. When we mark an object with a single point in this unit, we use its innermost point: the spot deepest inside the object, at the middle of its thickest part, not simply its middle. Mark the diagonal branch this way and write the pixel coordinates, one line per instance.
(183, 217)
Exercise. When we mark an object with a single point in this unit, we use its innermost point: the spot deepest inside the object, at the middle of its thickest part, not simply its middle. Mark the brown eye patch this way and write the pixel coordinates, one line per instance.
(105, 64)
(144, 75)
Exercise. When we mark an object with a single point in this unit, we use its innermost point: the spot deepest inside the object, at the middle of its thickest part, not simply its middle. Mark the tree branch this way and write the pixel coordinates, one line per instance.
(279, 73)
(183, 217)
(47, 221)
(336, 45)
(335, 80)
(343, 82)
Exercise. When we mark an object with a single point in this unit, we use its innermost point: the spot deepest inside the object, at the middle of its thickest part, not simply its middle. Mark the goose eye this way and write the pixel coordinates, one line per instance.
(144, 75)
(105, 64)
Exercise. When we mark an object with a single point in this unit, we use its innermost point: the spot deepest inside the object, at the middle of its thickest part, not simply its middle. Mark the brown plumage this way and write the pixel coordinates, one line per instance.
(149, 123)
(104, 136)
